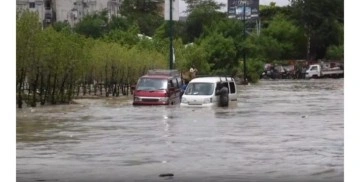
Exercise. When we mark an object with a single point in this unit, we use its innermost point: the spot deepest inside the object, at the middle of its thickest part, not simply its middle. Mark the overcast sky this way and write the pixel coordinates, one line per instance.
(182, 5)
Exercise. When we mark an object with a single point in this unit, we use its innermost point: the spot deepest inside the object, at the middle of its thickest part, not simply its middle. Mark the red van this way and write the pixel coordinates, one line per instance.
(158, 87)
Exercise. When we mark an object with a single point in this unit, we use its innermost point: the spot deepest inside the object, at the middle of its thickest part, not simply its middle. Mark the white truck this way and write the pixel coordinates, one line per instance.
(321, 71)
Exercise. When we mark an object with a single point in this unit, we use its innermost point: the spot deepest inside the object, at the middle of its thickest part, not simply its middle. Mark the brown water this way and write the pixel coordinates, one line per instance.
(278, 131)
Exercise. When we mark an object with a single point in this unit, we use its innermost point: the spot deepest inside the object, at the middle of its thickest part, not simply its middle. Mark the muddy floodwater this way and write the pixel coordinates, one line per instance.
(277, 131)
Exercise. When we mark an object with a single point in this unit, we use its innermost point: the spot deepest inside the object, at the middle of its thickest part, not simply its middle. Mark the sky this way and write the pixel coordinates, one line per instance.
(182, 5)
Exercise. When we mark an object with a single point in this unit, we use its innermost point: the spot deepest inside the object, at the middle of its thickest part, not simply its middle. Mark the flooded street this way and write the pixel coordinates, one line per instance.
(283, 130)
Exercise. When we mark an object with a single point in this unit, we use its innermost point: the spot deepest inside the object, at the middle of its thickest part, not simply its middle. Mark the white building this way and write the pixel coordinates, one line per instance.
(71, 11)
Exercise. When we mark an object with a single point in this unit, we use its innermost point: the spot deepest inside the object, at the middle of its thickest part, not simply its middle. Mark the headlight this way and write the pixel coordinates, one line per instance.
(183, 100)
(163, 99)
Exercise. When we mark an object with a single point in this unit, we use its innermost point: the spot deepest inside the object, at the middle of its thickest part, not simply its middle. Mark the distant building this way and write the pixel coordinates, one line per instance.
(71, 11)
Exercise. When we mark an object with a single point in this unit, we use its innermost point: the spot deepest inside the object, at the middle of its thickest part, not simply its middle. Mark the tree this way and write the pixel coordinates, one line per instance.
(320, 20)
(94, 25)
(60, 26)
(128, 38)
(221, 53)
(335, 52)
(28, 29)
(204, 14)
(289, 37)
(229, 28)
(267, 13)
(147, 14)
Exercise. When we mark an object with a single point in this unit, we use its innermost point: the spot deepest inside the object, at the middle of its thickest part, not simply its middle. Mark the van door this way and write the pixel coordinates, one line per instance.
(232, 91)
(174, 91)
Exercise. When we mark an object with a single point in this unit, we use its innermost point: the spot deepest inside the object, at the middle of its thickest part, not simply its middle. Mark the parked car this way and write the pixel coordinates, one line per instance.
(158, 87)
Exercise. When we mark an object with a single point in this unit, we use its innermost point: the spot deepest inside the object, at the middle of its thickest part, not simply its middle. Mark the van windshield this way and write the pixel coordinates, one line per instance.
(200, 89)
(152, 84)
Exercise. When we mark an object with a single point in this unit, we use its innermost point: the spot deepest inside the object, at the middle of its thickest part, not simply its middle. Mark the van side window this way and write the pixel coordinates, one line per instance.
(232, 87)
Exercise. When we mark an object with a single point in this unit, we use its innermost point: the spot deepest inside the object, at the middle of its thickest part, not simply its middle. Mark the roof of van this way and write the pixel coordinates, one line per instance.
(157, 76)
(161, 74)
(212, 79)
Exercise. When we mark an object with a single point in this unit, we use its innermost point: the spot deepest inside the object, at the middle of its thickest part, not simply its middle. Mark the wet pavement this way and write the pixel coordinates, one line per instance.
(282, 130)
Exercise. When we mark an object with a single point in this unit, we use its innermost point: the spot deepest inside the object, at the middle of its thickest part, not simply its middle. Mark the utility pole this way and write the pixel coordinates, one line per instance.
(244, 54)
(171, 35)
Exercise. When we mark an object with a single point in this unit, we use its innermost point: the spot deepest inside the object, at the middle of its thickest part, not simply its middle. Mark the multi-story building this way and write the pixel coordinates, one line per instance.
(71, 11)
(44, 8)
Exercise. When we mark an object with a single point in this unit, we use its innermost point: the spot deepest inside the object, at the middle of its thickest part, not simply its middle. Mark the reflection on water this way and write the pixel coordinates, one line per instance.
(277, 131)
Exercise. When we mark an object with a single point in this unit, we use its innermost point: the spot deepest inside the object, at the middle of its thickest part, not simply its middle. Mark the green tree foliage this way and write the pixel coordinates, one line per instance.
(288, 36)
(267, 13)
(192, 54)
(120, 23)
(27, 52)
(231, 29)
(335, 52)
(264, 47)
(204, 14)
(255, 67)
(94, 25)
(61, 26)
(322, 21)
(146, 14)
(221, 53)
(53, 66)
(126, 38)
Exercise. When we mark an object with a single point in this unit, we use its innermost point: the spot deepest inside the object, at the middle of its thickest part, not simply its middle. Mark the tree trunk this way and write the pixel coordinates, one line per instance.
(41, 88)
(33, 102)
(20, 91)
(106, 83)
(89, 85)
(70, 89)
(95, 88)
(47, 89)
(62, 89)
(118, 90)
(84, 87)
(78, 89)
(53, 99)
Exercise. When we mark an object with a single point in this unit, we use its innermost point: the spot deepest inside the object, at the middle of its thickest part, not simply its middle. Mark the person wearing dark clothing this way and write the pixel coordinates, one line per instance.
(183, 88)
(223, 96)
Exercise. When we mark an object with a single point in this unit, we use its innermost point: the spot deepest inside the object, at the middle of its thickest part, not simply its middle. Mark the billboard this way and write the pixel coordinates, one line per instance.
(237, 8)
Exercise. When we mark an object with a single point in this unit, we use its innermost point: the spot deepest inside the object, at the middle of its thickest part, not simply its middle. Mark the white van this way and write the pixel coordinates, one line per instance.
(204, 91)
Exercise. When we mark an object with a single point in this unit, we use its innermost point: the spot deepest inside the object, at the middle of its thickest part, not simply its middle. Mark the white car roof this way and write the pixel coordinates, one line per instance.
(213, 79)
